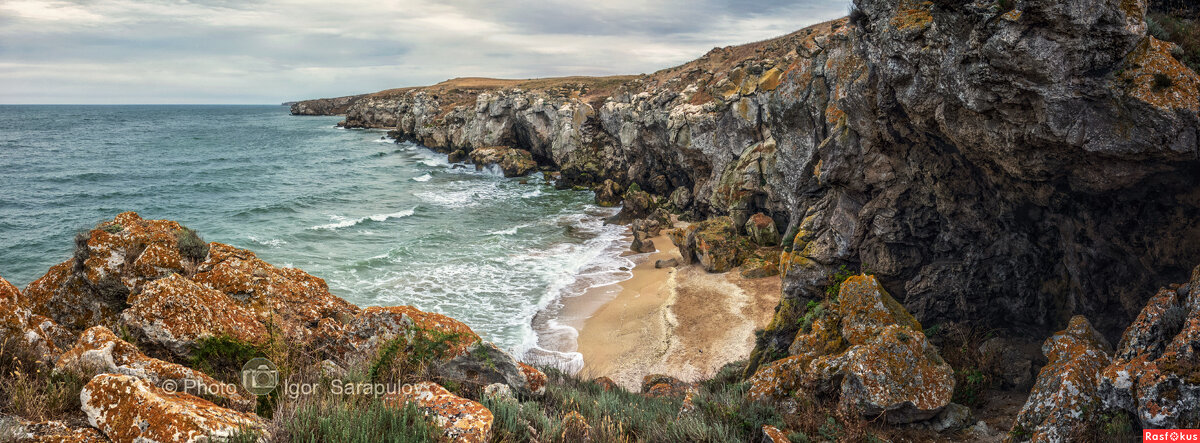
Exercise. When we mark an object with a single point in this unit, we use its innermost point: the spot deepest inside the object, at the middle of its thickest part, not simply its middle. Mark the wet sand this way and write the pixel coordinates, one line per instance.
(683, 322)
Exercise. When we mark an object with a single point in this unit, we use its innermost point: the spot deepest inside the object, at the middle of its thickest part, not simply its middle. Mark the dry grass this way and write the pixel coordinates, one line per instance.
(32, 390)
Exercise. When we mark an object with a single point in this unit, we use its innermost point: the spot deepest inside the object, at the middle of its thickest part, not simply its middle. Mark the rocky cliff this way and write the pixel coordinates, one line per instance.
(1006, 163)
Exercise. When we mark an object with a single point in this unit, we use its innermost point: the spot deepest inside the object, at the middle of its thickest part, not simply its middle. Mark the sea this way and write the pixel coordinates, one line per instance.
(384, 223)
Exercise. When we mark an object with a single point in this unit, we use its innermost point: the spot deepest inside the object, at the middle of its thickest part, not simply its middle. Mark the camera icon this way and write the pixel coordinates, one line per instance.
(260, 376)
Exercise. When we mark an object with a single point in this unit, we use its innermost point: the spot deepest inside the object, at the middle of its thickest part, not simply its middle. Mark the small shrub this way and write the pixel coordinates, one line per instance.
(838, 278)
(857, 16)
(222, 356)
(191, 245)
(113, 228)
(409, 354)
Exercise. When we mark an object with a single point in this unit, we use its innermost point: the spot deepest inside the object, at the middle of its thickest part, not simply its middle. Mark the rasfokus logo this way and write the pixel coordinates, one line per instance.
(1171, 435)
(260, 376)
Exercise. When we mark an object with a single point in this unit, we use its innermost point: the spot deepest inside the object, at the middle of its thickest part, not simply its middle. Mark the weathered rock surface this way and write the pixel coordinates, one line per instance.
(54, 431)
(513, 162)
(1000, 166)
(324, 106)
(461, 420)
(129, 409)
(100, 351)
(1066, 389)
(19, 324)
(659, 385)
(878, 361)
(1155, 372)
(172, 313)
(762, 230)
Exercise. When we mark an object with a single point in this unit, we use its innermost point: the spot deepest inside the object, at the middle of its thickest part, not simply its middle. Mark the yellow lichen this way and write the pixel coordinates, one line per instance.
(1153, 76)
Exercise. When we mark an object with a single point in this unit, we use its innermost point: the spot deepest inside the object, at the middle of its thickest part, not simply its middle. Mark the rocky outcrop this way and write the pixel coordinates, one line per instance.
(869, 351)
(324, 106)
(154, 314)
(1065, 394)
(461, 420)
(513, 162)
(100, 351)
(129, 409)
(1003, 163)
(1155, 372)
(19, 323)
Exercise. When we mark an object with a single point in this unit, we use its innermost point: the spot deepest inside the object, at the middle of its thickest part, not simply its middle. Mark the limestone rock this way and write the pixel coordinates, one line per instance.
(641, 243)
(483, 363)
(608, 194)
(659, 385)
(716, 245)
(680, 198)
(100, 351)
(461, 420)
(771, 434)
(52, 431)
(129, 409)
(289, 298)
(668, 263)
(636, 204)
(878, 361)
(1066, 388)
(1155, 372)
(761, 229)
(19, 323)
(512, 161)
(606, 383)
(172, 313)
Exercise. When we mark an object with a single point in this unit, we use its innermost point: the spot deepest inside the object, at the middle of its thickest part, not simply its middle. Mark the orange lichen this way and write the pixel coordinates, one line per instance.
(461, 420)
(775, 435)
(1148, 66)
(1066, 386)
(913, 16)
(535, 380)
(126, 408)
(866, 308)
(174, 312)
(17, 322)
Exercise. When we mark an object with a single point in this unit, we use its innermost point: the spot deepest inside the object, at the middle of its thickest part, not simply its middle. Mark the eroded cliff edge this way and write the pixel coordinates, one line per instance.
(1005, 163)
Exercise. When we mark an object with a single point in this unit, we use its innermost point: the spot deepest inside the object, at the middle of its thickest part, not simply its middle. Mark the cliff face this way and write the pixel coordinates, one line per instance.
(1010, 167)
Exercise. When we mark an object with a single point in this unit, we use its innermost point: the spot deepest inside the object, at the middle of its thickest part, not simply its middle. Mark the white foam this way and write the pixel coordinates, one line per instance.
(345, 222)
(270, 242)
(423, 178)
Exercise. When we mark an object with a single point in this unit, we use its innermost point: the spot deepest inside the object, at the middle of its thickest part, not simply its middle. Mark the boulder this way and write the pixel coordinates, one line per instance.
(608, 194)
(641, 243)
(172, 313)
(652, 227)
(1155, 372)
(875, 359)
(20, 431)
(130, 409)
(716, 245)
(458, 156)
(668, 263)
(513, 162)
(483, 363)
(685, 240)
(758, 268)
(1065, 393)
(761, 230)
(771, 434)
(19, 323)
(100, 351)
(606, 383)
(461, 420)
(680, 198)
(636, 204)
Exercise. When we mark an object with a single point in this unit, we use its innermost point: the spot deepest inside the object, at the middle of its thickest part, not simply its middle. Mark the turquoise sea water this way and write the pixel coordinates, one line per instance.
(382, 223)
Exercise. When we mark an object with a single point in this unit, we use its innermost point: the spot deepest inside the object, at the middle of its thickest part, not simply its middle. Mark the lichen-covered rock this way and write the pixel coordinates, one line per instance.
(771, 434)
(896, 373)
(761, 229)
(716, 245)
(606, 383)
(641, 243)
(877, 360)
(100, 351)
(288, 298)
(374, 326)
(47, 432)
(172, 313)
(1155, 372)
(512, 161)
(461, 420)
(19, 324)
(866, 308)
(1065, 392)
(685, 240)
(128, 409)
(608, 194)
(636, 204)
(758, 268)
(483, 363)
(111, 261)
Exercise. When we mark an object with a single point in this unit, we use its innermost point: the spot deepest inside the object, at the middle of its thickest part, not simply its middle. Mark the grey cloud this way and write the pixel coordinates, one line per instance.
(210, 51)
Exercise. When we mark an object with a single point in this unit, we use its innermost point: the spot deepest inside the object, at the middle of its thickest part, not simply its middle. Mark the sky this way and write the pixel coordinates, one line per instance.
(270, 51)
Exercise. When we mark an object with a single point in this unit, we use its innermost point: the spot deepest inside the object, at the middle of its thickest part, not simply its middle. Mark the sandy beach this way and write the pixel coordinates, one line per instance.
(683, 322)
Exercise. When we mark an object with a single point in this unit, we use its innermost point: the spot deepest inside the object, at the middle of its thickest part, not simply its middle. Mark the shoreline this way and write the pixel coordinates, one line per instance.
(682, 321)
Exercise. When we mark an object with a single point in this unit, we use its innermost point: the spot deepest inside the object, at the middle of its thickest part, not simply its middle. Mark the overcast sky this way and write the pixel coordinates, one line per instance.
(269, 51)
